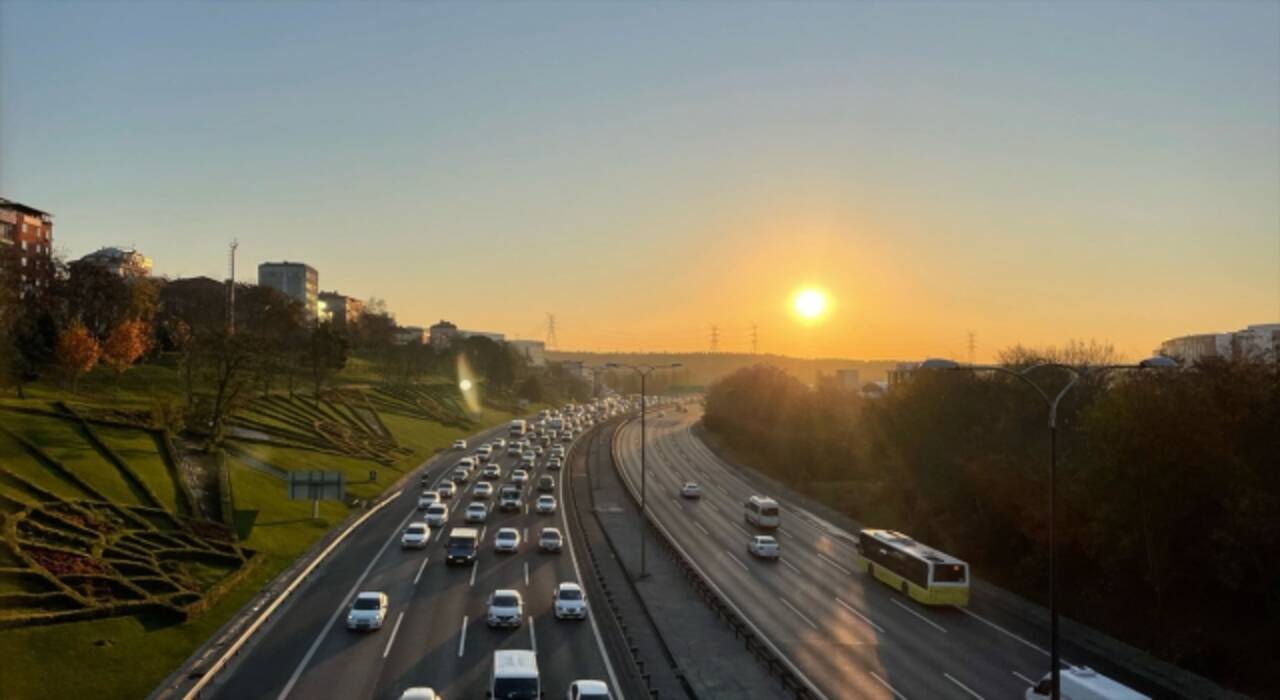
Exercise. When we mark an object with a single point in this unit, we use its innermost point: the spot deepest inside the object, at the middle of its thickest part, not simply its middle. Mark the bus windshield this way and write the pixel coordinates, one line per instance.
(515, 688)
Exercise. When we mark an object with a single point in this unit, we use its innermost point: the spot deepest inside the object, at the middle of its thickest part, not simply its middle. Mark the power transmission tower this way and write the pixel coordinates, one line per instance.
(972, 345)
(552, 341)
(755, 340)
(715, 339)
(231, 286)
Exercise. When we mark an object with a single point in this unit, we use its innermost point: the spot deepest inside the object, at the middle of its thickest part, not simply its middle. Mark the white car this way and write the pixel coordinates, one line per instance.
(499, 443)
(446, 490)
(589, 690)
(460, 475)
(477, 512)
(537, 449)
(546, 504)
(507, 540)
(459, 444)
(569, 601)
(550, 540)
(529, 457)
(513, 450)
(519, 476)
(492, 471)
(764, 546)
(426, 499)
(691, 489)
(415, 536)
(483, 490)
(429, 694)
(554, 463)
(437, 515)
(368, 611)
(506, 608)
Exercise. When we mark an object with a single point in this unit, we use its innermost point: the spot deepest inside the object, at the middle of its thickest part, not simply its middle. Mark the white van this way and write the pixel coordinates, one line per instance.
(1083, 683)
(514, 675)
(763, 512)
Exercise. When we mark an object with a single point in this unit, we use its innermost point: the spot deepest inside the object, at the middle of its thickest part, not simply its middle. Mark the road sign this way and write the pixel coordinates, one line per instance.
(316, 485)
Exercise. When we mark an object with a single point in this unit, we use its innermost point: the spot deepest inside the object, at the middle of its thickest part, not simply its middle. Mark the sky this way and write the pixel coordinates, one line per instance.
(1027, 172)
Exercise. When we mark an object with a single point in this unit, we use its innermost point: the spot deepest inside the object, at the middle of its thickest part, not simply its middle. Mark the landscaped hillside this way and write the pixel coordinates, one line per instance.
(125, 546)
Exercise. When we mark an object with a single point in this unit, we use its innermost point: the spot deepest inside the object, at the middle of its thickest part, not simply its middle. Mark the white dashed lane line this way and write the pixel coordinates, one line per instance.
(462, 640)
(789, 565)
(700, 527)
(962, 686)
(832, 562)
(922, 618)
(888, 687)
(392, 639)
(421, 567)
(737, 560)
(862, 617)
(799, 614)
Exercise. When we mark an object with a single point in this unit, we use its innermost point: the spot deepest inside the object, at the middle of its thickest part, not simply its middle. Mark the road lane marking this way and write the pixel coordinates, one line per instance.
(482, 531)
(832, 562)
(962, 686)
(526, 574)
(1024, 679)
(462, 641)
(713, 506)
(890, 688)
(533, 638)
(1001, 629)
(865, 619)
(420, 569)
(737, 561)
(524, 537)
(742, 529)
(475, 566)
(392, 639)
(799, 614)
(786, 533)
(315, 645)
(789, 565)
(700, 527)
(926, 620)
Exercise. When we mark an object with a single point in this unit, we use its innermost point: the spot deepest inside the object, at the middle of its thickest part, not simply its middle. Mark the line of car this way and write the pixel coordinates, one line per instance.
(514, 673)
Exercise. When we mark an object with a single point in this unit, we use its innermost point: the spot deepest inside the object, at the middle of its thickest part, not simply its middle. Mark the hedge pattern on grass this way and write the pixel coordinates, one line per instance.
(329, 425)
(441, 403)
(91, 558)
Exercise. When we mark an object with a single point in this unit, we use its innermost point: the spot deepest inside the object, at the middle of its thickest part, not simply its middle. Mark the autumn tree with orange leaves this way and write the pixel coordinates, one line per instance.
(77, 352)
(128, 341)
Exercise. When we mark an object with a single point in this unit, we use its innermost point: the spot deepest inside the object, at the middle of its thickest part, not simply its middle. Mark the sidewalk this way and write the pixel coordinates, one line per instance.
(712, 661)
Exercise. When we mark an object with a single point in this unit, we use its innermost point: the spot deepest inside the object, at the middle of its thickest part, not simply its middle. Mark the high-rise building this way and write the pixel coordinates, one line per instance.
(30, 232)
(124, 262)
(340, 310)
(297, 281)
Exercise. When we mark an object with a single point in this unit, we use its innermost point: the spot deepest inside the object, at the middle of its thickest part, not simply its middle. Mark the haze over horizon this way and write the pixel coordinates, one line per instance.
(1030, 173)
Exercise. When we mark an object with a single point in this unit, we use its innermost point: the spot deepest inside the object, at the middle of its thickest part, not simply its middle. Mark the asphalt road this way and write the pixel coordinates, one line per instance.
(435, 634)
(849, 635)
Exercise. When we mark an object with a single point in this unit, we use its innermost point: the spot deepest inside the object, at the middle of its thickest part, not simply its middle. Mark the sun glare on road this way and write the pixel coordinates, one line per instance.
(810, 303)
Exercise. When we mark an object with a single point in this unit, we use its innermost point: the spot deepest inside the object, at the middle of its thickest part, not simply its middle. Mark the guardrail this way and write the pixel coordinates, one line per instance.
(756, 642)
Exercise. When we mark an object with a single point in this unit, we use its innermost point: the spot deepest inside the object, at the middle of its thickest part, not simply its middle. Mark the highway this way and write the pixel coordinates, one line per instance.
(849, 635)
(435, 633)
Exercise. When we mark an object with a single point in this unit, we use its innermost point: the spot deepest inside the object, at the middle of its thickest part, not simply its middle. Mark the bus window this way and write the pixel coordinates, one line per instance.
(949, 573)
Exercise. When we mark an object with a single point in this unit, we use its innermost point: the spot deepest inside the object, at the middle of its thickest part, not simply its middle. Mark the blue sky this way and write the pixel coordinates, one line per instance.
(1033, 172)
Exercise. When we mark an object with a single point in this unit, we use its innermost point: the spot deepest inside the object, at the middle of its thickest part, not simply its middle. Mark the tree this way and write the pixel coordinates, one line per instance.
(326, 354)
(226, 365)
(531, 390)
(128, 341)
(96, 297)
(77, 353)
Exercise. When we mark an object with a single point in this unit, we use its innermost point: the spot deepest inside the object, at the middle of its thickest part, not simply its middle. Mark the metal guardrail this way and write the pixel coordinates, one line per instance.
(756, 642)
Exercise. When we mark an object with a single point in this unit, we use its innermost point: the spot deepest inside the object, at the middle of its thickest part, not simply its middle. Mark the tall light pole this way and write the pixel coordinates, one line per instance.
(643, 371)
(1051, 402)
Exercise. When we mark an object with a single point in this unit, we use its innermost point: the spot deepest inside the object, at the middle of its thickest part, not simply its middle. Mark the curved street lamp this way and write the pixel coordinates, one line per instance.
(644, 371)
(1051, 402)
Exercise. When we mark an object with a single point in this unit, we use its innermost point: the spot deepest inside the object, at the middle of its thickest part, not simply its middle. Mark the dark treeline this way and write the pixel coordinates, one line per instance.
(1168, 489)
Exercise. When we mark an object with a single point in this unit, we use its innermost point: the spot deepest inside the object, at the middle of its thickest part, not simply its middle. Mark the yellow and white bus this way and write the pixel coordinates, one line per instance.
(924, 574)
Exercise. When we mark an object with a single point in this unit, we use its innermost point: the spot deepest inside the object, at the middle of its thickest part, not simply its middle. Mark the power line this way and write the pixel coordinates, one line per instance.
(755, 340)
(715, 339)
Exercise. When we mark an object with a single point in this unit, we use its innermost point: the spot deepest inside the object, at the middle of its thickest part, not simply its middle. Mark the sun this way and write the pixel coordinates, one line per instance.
(810, 303)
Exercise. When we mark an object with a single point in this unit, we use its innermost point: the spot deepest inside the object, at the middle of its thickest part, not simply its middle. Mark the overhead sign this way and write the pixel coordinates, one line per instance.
(317, 485)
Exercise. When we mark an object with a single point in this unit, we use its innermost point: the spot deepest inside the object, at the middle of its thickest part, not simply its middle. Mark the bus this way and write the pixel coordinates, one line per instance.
(517, 428)
(923, 574)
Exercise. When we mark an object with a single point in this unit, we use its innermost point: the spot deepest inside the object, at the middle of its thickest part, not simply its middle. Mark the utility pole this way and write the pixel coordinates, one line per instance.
(755, 340)
(715, 339)
(231, 287)
(552, 342)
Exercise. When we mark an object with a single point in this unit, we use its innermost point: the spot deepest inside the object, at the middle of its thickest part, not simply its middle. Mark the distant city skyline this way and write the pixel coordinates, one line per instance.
(1031, 173)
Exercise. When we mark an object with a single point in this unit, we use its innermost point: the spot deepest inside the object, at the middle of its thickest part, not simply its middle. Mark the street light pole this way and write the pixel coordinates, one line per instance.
(643, 371)
(1052, 403)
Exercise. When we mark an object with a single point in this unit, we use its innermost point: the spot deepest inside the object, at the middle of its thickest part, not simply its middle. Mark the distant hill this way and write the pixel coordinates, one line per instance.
(704, 367)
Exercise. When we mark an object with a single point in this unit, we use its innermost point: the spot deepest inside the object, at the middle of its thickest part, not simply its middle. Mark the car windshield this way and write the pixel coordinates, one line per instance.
(570, 594)
(506, 601)
(366, 604)
(515, 688)
(417, 529)
(458, 542)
